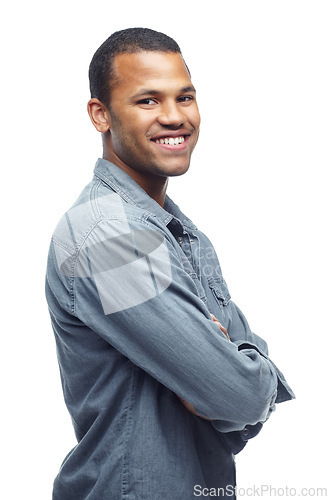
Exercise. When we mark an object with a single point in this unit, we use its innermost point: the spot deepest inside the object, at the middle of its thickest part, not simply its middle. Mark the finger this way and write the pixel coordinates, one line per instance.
(223, 329)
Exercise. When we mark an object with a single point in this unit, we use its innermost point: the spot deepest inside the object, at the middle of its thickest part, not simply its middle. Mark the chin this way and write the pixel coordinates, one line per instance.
(177, 170)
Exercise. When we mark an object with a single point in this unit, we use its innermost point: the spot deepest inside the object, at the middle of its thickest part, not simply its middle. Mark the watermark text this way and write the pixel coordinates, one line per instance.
(259, 491)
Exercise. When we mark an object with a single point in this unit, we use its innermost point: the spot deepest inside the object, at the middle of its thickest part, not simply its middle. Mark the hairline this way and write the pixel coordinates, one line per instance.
(102, 78)
(115, 79)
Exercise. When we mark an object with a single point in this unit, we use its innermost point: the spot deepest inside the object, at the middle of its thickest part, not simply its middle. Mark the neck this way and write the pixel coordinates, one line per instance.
(155, 186)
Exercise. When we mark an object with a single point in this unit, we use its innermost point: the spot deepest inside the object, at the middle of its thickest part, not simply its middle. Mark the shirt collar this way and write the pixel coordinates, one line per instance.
(132, 193)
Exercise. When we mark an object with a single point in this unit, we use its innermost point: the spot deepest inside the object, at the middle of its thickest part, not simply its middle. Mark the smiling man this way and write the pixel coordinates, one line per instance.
(163, 378)
(152, 116)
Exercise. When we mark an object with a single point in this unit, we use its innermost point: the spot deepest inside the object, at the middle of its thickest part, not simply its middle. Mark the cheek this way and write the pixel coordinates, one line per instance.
(134, 127)
(195, 119)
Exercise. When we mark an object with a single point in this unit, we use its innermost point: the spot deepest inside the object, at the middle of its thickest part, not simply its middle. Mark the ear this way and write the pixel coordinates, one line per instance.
(99, 115)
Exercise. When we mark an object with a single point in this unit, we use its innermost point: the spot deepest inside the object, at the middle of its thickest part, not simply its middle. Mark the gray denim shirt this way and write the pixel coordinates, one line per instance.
(130, 287)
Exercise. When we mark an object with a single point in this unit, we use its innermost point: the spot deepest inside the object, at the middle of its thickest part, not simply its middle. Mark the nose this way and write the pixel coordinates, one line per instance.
(171, 115)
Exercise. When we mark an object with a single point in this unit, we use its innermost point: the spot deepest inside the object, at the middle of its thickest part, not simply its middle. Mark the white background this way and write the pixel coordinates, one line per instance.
(257, 186)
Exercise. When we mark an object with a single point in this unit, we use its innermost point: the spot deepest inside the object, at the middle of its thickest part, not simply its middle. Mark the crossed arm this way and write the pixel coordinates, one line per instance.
(187, 405)
(171, 348)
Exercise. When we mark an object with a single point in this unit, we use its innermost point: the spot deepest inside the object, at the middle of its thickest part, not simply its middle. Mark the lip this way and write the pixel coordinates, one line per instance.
(171, 133)
(173, 147)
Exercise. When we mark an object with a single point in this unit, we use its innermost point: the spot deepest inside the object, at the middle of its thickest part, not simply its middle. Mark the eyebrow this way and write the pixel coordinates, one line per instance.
(146, 91)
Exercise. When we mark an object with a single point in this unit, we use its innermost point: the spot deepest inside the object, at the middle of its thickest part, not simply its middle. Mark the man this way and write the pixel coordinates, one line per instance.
(162, 376)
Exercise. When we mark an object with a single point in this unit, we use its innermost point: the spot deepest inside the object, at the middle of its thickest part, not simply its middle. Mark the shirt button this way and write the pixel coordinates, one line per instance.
(180, 240)
(245, 433)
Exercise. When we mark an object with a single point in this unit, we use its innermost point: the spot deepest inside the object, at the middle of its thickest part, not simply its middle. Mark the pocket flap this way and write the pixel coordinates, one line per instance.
(219, 289)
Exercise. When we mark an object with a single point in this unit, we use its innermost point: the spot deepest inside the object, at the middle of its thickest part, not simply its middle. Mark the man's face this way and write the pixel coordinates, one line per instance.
(154, 114)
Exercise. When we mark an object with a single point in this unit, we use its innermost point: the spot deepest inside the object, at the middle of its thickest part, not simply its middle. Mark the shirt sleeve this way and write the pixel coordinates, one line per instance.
(244, 338)
(130, 289)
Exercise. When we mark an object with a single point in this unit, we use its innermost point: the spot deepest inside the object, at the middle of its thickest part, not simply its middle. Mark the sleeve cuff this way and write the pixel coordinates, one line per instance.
(284, 392)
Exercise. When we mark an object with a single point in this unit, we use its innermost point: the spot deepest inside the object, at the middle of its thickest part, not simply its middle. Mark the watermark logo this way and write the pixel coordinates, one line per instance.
(128, 266)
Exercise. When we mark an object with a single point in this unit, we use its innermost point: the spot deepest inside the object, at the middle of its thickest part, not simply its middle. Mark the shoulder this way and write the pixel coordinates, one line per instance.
(95, 207)
(101, 223)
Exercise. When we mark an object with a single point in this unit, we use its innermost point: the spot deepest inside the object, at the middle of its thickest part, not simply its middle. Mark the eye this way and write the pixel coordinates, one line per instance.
(147, 102)
(185, 99)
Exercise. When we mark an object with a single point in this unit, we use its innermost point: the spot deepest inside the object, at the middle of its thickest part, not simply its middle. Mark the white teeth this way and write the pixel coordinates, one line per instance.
(173, 141)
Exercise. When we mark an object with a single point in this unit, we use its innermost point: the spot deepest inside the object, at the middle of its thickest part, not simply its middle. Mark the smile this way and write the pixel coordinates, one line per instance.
(172, 141)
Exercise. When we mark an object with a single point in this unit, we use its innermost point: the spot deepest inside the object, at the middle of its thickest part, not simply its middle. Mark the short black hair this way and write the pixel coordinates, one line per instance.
(127, 41)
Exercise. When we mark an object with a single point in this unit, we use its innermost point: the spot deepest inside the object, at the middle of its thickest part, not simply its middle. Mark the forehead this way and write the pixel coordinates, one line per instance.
(150, 69)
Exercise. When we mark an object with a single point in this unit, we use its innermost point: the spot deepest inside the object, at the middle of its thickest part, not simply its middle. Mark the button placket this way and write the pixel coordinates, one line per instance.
(195, 251)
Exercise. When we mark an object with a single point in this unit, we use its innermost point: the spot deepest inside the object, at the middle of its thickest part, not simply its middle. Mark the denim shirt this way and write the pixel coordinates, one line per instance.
(131, 287)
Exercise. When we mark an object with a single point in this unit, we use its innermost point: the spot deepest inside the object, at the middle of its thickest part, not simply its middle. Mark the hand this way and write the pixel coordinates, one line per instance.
(215, 320)
(191, 408)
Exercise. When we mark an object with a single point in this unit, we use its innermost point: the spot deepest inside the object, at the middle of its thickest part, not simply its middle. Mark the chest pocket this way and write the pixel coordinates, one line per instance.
(219, 290)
